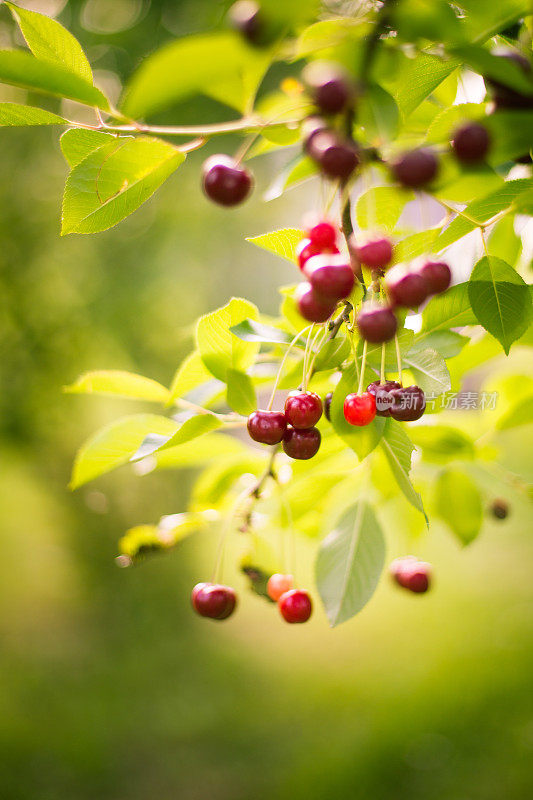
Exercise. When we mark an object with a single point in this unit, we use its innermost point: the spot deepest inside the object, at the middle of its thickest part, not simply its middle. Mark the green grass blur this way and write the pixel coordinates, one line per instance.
(110, 688)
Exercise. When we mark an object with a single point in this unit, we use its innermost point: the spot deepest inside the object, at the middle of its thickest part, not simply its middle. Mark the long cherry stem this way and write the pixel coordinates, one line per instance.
(283, 360)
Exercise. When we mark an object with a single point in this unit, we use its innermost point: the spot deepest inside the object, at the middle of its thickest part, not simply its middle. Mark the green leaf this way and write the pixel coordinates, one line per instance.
(251, 331)
(519, 414)
(445, 124)
(77, 143)
(193, 427)
(298, 170)
(417, 244)
(220, 65)
(491, 66)
(145, 540)
(333, 354)
(20, 68)
(240, 392)
(381, 207)
(115, 444)
(373, 353)
(119, 384)
(283, 242)
(500, 300)
(191, 373)
(458, 503)
(503, 241)
(378, 114)
(199, 452)
(398, 449)
(361, 440)
(483, 20)
(349, 563)
(418, 79)
(50, 41)
(429, 370)
(442, 442)
(114, 180)
(449, 310)
(448, 343)
(219, 347)
(511, 134)
(13, 114)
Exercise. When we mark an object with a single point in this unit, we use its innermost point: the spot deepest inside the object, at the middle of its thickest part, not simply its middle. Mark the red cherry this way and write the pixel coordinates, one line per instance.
(438, 276)
(278, 584)
(213, 600)
(399, 566)
(306, 249)
(330, 276)
(330, 86)
(225, 181)
(408, 404)
(471, 142)
(301, 444)
(311, 307)
(360, 410)
(381, 392)
(323, 234)
(411, 574)
(295, 606)
(336, 157)
(377, 324)
(376, 253)
(406, 288)
(267, 427)
(416, 168)
(303, 409)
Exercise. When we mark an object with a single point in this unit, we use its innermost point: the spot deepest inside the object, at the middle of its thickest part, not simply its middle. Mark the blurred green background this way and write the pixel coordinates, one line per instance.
(110, 688)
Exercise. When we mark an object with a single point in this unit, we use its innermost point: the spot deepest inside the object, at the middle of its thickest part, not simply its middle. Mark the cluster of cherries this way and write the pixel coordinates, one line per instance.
(217, 601)
(294, 427)
(411, 574)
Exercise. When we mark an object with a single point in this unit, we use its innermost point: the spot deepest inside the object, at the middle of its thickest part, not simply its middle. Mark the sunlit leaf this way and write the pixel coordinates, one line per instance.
(398, 449)
(219, 347)
(77, 143)
(429, 370)
(449, 310)
(13, 114)
(283, 242)
(381, 207)
(240, 392)
(458, 502)
(119, 384)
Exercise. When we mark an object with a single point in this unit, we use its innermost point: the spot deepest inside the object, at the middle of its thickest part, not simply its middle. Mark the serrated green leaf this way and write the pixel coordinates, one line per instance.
(349, 563)
(20, 68)
(119, 384)
(442, 442)
(503, 242)
(446, 123)
(240, 392)
(50, 41)
(219, 347)
(77, 143)
(500, 300)
(191, 373)
(114, 180)
(458, 503)
(378, 114)
(191, 429)
(361, 440)
(417, 244)
(13, 114)
(449, 310)
(429, 370)
(448, 343)
(381, 207)
(251, 331)
(398, 449)
(115, 444)
(283, 242)
(419, 77)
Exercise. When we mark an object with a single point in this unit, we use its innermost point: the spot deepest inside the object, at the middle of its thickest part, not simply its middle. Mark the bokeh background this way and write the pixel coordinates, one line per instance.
(110, 688)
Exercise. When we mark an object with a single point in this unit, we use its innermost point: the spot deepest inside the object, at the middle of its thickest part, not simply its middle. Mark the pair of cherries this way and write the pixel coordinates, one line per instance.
(294, 604)
(294, 427)
(330, 277)
(388, 399)
(411, 574)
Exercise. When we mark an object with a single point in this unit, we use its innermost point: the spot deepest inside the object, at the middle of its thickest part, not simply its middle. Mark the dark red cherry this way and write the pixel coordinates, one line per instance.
(327, 405)
(406, 288)
(438, 276)
(267, 427)
(504, 96)
(408, 403)
(301, 444)
(499, 508)
(306, 249)
(329, 85)
(411, 574)
(471, 142)
(376, 253)
(377, 324)
(225, 181)
(303, 409)
(295, 606)
(324, 235)
(360, 409)
(381, 392)
(213, 600)
(336, 157)
(416, 168)
(311, 307)
(330, 276)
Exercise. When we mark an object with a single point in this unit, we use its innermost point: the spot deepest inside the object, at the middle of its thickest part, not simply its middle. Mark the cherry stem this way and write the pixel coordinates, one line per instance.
(311, 368)
(382, 373)
(335, 324)
(398, 358)
(283, 360)
(232, 418)
(363, 367)
(224, 534)
(306, 356)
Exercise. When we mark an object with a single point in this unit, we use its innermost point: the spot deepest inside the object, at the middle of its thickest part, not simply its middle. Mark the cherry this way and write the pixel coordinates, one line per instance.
(330, 87)
(360, 410)
(327, 405)
(303, 409)
(376, 253)
(225, 181)
(408, 403)
(213, 600)
(312, 307)
(295, 606)
(499, 508)
(323, 234)
(471, 142)
(246, 17)
(267, 427)
(406, 288)
(310, 127)
(382, 393)
(306, 249)
(504, 96)
(416, 168)
(278, 584)
(411, 574)
(377, 324)
(438, 276)
(336, 157)
(331, 277)
(301, 444)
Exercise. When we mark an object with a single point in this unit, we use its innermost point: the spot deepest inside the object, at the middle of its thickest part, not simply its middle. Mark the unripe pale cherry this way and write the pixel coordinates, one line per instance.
(382, 393)
(295, 606)
(213, 600)
(225, 181)
(278, 584)
(406, 288)
(377, 324)
(267, 427)
(331, 277)
(438, 276)
(303, 409)
(312, 307)
(416, 168)
(375, 253)
(360, 409)
(408, 403)
(301, 444)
